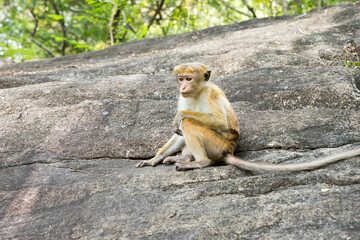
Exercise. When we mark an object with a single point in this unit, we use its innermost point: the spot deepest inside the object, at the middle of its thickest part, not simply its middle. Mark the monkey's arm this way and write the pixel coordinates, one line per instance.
(212, 120)
(175, 144)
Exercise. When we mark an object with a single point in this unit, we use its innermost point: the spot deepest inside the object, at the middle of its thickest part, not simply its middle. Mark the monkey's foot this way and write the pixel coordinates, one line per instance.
(185, 165)
(151, 162)
(178, 158)
(145, 163)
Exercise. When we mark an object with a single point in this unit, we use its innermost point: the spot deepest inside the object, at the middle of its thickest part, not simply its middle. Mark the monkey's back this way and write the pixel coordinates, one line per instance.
(232, 132)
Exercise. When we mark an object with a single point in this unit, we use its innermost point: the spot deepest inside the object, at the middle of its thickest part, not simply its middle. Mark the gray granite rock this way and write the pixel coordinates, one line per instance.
(72, 128)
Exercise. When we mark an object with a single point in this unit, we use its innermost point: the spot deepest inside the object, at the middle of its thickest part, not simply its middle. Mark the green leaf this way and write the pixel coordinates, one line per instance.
(58, 38)
(55, 17)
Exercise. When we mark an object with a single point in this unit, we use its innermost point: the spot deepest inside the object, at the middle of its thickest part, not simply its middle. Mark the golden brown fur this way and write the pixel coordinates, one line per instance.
(206, 129)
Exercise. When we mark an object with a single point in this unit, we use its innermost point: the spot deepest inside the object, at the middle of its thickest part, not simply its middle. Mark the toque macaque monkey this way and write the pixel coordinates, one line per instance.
(206, 129)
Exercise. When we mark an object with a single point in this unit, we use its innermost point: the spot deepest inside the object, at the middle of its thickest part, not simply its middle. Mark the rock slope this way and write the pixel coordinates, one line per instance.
(72, 128)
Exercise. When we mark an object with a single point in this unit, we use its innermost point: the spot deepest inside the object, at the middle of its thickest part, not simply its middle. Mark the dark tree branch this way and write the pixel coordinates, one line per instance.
(32, 35)
(128, 26)
(235, 10)
(63, 28)
(123, 36)
(157, 12)
(35, 19)
(251, 9)
(86, 13)
(42, 46)
(114, 22)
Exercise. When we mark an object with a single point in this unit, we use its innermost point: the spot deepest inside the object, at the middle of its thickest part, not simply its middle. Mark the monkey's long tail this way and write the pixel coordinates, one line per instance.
(266, 167)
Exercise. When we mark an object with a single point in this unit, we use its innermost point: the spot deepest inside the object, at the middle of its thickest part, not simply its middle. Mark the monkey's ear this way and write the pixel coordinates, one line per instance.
(207, 75)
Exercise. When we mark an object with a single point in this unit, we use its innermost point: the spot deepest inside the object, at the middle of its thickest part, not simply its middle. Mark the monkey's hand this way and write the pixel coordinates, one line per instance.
(177, 122)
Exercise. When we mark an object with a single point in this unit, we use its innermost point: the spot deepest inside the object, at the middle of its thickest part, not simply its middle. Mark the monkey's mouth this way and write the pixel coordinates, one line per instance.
(186, 94)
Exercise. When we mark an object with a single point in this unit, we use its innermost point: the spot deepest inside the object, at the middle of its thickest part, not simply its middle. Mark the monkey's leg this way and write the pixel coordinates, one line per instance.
(178, 158)
(204, 144)
(185, 156)
(175, 144)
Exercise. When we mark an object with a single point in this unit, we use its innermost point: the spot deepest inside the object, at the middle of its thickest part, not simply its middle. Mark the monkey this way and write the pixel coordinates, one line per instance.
(206, 129)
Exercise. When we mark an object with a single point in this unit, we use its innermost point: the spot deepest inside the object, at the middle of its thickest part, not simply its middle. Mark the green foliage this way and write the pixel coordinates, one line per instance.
(352, 64)
(38, 29)
(55, 17)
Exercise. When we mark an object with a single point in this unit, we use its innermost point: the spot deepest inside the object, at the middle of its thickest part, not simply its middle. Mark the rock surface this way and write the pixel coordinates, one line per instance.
(71, 129)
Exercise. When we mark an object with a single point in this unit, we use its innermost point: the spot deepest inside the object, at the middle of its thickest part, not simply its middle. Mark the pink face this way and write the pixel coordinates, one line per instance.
(187, 84)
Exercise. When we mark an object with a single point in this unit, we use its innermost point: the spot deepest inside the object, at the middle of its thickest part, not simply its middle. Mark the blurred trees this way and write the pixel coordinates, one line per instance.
(46, 28)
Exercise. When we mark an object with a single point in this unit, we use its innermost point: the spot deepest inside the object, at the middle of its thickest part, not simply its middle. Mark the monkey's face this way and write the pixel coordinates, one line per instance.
(189, 84)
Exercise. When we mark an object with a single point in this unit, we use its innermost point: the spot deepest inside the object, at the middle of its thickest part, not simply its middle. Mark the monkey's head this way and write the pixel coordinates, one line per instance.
(191, 78)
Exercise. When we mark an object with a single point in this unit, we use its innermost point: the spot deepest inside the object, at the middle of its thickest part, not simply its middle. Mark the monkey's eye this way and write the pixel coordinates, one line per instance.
(181, 79)
(188, 79)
